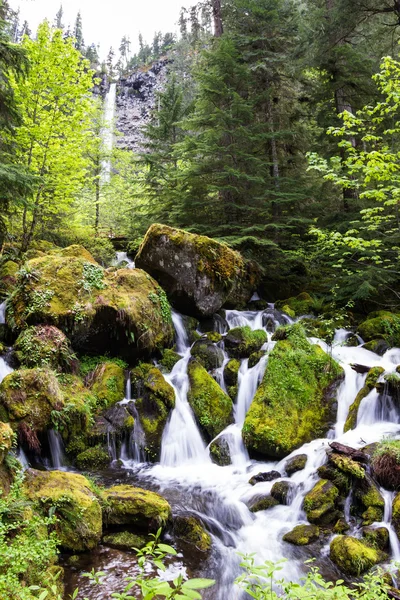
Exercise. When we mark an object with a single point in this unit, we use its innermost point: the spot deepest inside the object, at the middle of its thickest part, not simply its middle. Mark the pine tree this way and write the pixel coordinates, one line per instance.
(110, 63)
(78, 33)
(59, 18)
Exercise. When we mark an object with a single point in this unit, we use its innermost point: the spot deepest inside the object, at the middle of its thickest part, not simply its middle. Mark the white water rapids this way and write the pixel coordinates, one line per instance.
(219, 495)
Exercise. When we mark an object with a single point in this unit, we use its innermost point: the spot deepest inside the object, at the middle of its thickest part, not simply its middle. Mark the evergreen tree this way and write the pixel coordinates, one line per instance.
(124, 50)
(59, 18)
(110, 63)
(78, 33)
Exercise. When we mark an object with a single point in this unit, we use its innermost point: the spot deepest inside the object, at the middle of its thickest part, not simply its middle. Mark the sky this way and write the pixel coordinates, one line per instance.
(106, 22)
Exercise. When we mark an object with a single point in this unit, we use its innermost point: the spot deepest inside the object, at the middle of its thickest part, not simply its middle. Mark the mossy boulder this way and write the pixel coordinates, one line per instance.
(255, 358)
(78, 511)
(396, 514)
(381, 325)
(142, 509)
(320, 503)
(213, 408)
(6, 440)
(190, 530)
(219, 451)
(386, 464)
(44, 346)
(155, 398)
(353, 556)
(123, 312)
(296, 401)
(200, 275)
(231, 372)
(296, 463)
(241, 342)
(282, 491)
(107, 383)
(207, 354)
(302, 535)
(369, 502)
(93, 459)
(370, 383)
(169, 360)
(296, 306)
(263, 503)
(30, 396)
(125, 540)
(8, 276)
(377, 537)
(377, 346)
(340, 479)
(347, 465)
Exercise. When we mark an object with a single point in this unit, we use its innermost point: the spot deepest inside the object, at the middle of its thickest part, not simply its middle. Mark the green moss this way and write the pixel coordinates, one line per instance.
(347, 465)
(44, 346)
(368, 496)
(191, 531)
(302, 535)
(231, 372)
(255, 358)
(352, 556)
(6, 440)
(169, 359)
(213, 336)
(108, 384)
(382, 324)
(207, 354)
(370, 383)
(296, 306)
(376, 537)
(396, 513)
(296, 463)
(338, 478)
(93, 458)
(128, 505)
(78, 511)
(125, 540)
(241, 342)
(212, 407)
(319, 503)
(3, 349)
(263, 504)
(296, 401)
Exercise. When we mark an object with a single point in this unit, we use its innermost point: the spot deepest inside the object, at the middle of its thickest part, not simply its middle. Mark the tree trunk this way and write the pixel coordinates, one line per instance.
(217, 15)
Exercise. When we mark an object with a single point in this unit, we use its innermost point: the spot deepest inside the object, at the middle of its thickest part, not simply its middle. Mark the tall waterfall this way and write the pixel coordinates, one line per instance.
(2, 313)
(108, 130)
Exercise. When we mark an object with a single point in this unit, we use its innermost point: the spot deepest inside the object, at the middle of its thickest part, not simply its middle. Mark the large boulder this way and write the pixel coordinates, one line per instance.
(241, 342)
(155, 398)
(200, 275)
(44, 346)
(208, 354)
(302, 535)
(213, 408)
(296, 401)
(142, 509)
(320, 503)
(107, 383)
(381, 325)
(78, 510)
(353, 556)
(122, 312)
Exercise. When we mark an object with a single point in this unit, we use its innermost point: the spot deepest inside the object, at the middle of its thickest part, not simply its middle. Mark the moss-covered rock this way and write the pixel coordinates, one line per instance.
(93, 459)
(352, 556)
(207, 354)
(128, 505)
(155, 398)
(241, 342)
(296, 463)
(231, 372)
(282, 491)
(381, 325)
(386, 464)
(296, 306)
(123, 312)
(219, 451)
(125, 540)
(78, 511)
(302, 535)
(107, 383)
(44, 346)
(31, 396)
(377, 537)
(200, 275)
(213, 409)
(169, 360)
(296, 401)
(341, 480)
(370, 383)
(255, 358)
(347, 465)
(377, 346)
(263, 503)
(191, 531)
(6, 440)
(369, 500)
(396, 514)
(319, 503)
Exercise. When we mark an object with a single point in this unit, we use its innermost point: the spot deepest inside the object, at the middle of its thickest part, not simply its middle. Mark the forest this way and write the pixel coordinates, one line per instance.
(200, 305)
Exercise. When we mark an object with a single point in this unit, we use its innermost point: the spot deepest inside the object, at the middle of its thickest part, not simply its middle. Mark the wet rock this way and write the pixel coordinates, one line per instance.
(377, 346)
(302, 535)
(128, 505)
(107, 383)
(370, 383)
(231, 372)
(378, 325)
(370, 500)
(6, 440)
(219, 452)
(208, 354)
(347, 465)
(352, 556)
(282, 491)
(296, 463)
(319, 503)
(199, 274)
(213, 408)
(263, 503)
(377, 537)
(190, 530)
(396, 514)
(125, 540)
(341, 526)
(296, 306)
(255, 358)
(169, 360)
(261, 477)
(95, 458)
(338, 478)
(78, 511)
(241, 342)
(296, 401)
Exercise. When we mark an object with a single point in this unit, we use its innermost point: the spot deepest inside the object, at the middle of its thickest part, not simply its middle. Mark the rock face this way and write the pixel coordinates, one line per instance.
(198, 274)
(296, 401)
(44, 346)
(319, 503)
(78, 511)
(122, 312)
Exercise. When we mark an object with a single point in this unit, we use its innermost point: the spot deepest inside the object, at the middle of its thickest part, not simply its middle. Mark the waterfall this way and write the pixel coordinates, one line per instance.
(123, 257)
(387, 518)
(133, 449)
(3, 313)
(108, 130)
(56, 449)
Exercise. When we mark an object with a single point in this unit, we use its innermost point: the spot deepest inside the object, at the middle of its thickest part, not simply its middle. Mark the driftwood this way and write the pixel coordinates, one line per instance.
(357, 455)
(392, 593)
(360, 368)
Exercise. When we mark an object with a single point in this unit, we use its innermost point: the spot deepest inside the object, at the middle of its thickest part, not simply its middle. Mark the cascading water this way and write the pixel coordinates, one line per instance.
(56, 447)
(133, 449)
(108, 130)
(2, 313)
(122, 257)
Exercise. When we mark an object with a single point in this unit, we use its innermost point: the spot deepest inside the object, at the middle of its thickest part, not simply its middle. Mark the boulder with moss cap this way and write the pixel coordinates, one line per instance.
(44, 346)
(302, 535)
(241, 342)
(139, 508)
(353, 556)
(78, 510)
(320, 503)
(296, 401)
(200, 275)
(190, 530)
